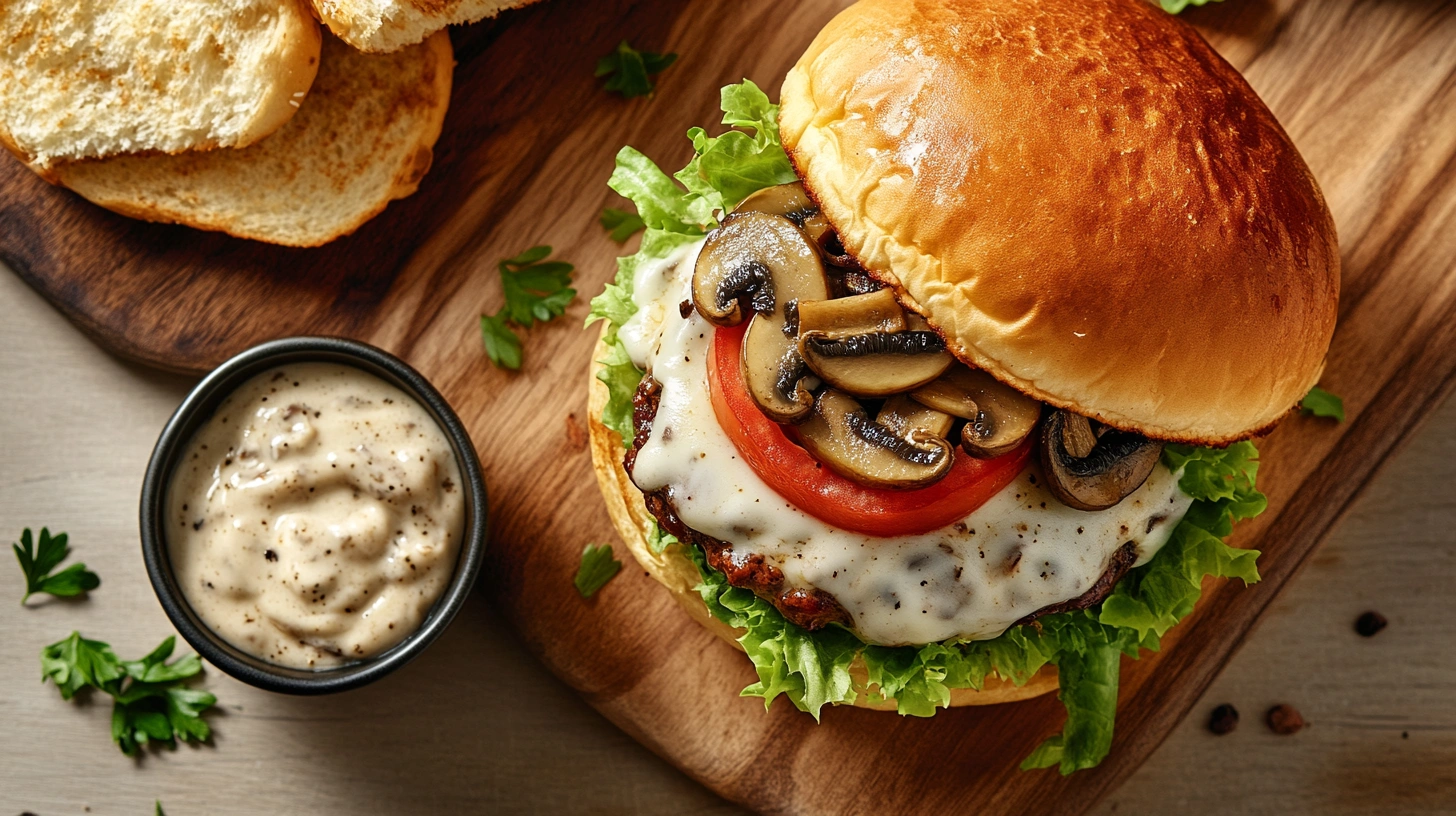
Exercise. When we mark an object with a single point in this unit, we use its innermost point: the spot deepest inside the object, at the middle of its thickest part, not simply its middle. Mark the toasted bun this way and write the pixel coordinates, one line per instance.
(362, 138)
(388, 25)
(1083, 197)
(679, 574)
(90, 78)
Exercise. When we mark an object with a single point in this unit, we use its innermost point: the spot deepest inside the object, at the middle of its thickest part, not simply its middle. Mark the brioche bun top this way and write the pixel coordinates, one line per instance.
(1082, 196)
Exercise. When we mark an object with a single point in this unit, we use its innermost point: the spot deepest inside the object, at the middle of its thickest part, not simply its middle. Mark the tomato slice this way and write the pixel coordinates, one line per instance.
(796, 475)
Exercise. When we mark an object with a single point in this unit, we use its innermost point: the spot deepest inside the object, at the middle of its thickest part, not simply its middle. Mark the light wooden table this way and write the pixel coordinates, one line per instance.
(476, 725)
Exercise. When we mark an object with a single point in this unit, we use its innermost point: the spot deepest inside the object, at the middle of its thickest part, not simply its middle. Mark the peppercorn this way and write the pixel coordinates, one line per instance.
(1370, 623)
(1284, 719)
(1225, 718)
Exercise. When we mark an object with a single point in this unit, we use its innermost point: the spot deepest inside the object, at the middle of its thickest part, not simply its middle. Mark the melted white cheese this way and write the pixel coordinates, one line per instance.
(1021, 551)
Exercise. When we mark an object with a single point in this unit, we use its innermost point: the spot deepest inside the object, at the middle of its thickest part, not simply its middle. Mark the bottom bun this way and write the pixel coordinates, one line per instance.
(679, 574)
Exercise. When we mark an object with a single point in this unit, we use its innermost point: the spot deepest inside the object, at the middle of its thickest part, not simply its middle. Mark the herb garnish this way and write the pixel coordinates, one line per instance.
(535, 290)
(620, 224)
(1322, 403)
(149, 701)
(597, 568)
(629, 69)
(38, 559)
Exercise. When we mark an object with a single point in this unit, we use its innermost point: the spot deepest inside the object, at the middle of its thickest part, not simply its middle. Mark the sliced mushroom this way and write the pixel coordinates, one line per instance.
(834, 251)
(861, 345)
(764, 263)
(758, 261)
(847, 316)
(1000, 417)
(842, 436)
(853, 281)
(906, 417)
(1116, 465)
(792, 202)
(1077, 436)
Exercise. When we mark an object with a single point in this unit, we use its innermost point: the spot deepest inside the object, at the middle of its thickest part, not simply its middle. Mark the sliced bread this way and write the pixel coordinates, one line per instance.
(363, 137)
(384, 25)
(90, 78)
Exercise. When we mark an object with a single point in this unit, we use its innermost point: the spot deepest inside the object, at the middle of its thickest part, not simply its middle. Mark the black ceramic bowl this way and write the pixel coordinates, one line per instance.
(199, 407)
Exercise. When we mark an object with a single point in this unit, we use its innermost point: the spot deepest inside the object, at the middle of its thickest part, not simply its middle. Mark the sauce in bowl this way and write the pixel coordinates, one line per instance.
(316, 517)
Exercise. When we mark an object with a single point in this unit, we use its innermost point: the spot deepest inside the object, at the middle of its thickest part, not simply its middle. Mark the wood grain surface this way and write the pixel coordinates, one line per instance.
(1367, 89)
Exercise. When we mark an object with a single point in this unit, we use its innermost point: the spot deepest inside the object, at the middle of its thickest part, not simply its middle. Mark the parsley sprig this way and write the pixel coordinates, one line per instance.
(629, 69)
(149, 701)
(597, 568)
(535, 290)
(1322, 403)
(37, 559)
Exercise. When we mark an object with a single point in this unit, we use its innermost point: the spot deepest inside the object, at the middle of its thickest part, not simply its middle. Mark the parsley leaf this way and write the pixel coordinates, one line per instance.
(629, 69)
(149, 702)
(37, 559)
(597, 568)
(75, 663)
(1175, 6)
(536, 290)
(502, 345)
(159, 808)
(620, 224)
(1322, 403)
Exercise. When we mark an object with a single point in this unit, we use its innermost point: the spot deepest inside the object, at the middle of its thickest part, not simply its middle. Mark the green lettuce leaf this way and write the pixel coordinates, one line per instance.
(729, 168)
(813, 669)
(622, 379)
(1088, 677)
(658, 540)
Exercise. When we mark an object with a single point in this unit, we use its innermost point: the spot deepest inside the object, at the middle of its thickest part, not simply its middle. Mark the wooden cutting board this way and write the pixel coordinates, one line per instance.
(1367, 89)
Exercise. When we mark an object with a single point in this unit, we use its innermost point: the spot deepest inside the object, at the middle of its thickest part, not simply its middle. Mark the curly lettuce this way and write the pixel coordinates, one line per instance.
(814, 669)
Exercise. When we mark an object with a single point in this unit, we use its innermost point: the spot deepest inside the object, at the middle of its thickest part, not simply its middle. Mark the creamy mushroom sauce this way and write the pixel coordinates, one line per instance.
(1021, 551)
(316, 517)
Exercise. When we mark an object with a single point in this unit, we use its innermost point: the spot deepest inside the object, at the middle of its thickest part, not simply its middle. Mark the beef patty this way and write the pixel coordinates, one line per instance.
(808, 607)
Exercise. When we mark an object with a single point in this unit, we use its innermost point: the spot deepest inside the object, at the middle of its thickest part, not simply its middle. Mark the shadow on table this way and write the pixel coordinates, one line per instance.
(478, 725)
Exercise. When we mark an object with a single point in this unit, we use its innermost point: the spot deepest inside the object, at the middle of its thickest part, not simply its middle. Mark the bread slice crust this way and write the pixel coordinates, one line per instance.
(363, 137)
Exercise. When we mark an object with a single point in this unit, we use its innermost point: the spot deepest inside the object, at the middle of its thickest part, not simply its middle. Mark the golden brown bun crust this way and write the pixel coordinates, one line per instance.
(1084, 197)
(678, 573)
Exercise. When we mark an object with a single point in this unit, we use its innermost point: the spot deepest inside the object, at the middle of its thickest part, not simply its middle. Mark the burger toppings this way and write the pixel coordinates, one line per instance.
(998, 417)
(766, 265)
(842, 436)
(763, 265)
(1090, 470)
(787, 467)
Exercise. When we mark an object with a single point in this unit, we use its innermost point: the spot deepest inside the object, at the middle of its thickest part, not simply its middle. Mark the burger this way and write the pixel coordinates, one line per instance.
(933, 384)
